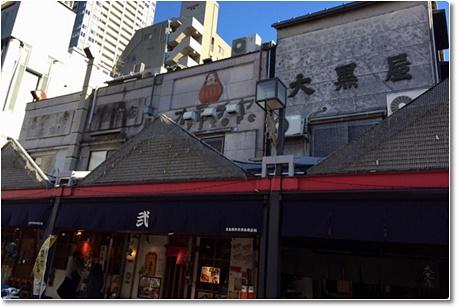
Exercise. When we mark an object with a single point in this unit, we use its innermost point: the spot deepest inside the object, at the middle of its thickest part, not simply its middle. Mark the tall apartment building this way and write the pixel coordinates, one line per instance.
(30, 58)
(108, 26)
(179, 42)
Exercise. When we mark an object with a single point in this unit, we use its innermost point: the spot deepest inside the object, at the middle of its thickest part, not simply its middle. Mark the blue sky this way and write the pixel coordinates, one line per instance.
(243, 18)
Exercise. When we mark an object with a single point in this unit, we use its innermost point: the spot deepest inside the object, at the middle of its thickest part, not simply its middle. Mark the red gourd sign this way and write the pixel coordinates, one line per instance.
(211, 90)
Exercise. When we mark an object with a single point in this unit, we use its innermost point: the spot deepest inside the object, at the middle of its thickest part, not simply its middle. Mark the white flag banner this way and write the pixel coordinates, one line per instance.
(39, 267)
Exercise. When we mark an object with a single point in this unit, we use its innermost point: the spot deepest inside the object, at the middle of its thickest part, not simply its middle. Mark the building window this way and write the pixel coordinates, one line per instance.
(98, 157)
(46, 163)
(216, 142)
(327, 138)
(213, 268)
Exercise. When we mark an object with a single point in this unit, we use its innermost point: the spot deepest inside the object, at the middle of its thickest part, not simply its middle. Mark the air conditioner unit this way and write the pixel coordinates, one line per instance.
(245, 45)
(138, 68)
(233, 108)
(190, 116)
(209, 112)
(397, 100)
(295, 125)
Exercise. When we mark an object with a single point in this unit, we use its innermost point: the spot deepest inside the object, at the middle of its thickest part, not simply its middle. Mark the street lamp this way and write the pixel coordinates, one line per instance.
(271, 96)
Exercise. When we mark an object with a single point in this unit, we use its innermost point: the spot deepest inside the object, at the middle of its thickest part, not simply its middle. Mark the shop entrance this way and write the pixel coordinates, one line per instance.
(175, 278)
(106, 249)
(226, 268)
(177, 267)
(19, 250)
(313, 268)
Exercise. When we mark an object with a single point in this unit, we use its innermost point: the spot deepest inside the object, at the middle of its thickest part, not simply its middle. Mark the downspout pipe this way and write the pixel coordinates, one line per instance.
(14, 72)
(434, 54)
(91, 114)
(148, 107)
(81, 112)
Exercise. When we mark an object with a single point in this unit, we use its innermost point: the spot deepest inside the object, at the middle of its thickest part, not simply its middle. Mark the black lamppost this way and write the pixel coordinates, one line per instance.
(271, 96)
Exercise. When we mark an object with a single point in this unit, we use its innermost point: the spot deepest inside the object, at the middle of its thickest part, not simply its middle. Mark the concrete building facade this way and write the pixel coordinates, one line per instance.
(215, 101)
(108, 26)
(32, 61)
(176, 43)
(350, 66)
(368, 221)
(28, 56)
(77, 132)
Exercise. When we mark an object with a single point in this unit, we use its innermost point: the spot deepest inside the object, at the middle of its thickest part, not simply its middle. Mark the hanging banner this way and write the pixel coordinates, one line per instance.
(39, 267)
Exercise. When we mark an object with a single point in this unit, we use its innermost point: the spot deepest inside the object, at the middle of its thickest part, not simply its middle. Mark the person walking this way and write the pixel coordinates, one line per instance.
(73, 274)
(95, 282)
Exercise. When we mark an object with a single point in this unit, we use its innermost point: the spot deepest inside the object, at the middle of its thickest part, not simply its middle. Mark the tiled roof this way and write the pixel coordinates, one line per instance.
(412, 139)
(19, 171)
(163, 151)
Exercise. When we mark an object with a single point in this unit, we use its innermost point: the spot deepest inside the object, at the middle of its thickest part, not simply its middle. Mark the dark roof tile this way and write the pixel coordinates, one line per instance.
(414, 138)
(19, 171)
(163, 151)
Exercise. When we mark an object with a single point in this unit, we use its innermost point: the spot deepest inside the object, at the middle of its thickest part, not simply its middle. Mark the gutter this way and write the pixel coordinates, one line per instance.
(321, 14)
(358, 182)
(29, 159)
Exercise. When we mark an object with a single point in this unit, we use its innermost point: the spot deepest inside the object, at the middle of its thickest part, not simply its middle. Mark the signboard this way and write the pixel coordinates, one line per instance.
(351, 66)
(211, 90)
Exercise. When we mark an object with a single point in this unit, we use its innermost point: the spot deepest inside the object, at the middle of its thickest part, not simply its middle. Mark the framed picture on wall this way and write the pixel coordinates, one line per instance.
(149, 287)
(209, 274)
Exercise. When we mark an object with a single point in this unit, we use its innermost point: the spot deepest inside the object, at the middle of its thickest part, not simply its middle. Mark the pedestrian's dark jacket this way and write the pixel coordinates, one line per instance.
(67, 289)
(95, 282)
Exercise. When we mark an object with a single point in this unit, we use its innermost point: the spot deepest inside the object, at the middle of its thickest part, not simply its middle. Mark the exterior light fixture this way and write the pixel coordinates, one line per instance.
(271, 94)
(209, 112)
(38, 95)
(88, 53)
(271, 97)
(233, 108)
(190, 116)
